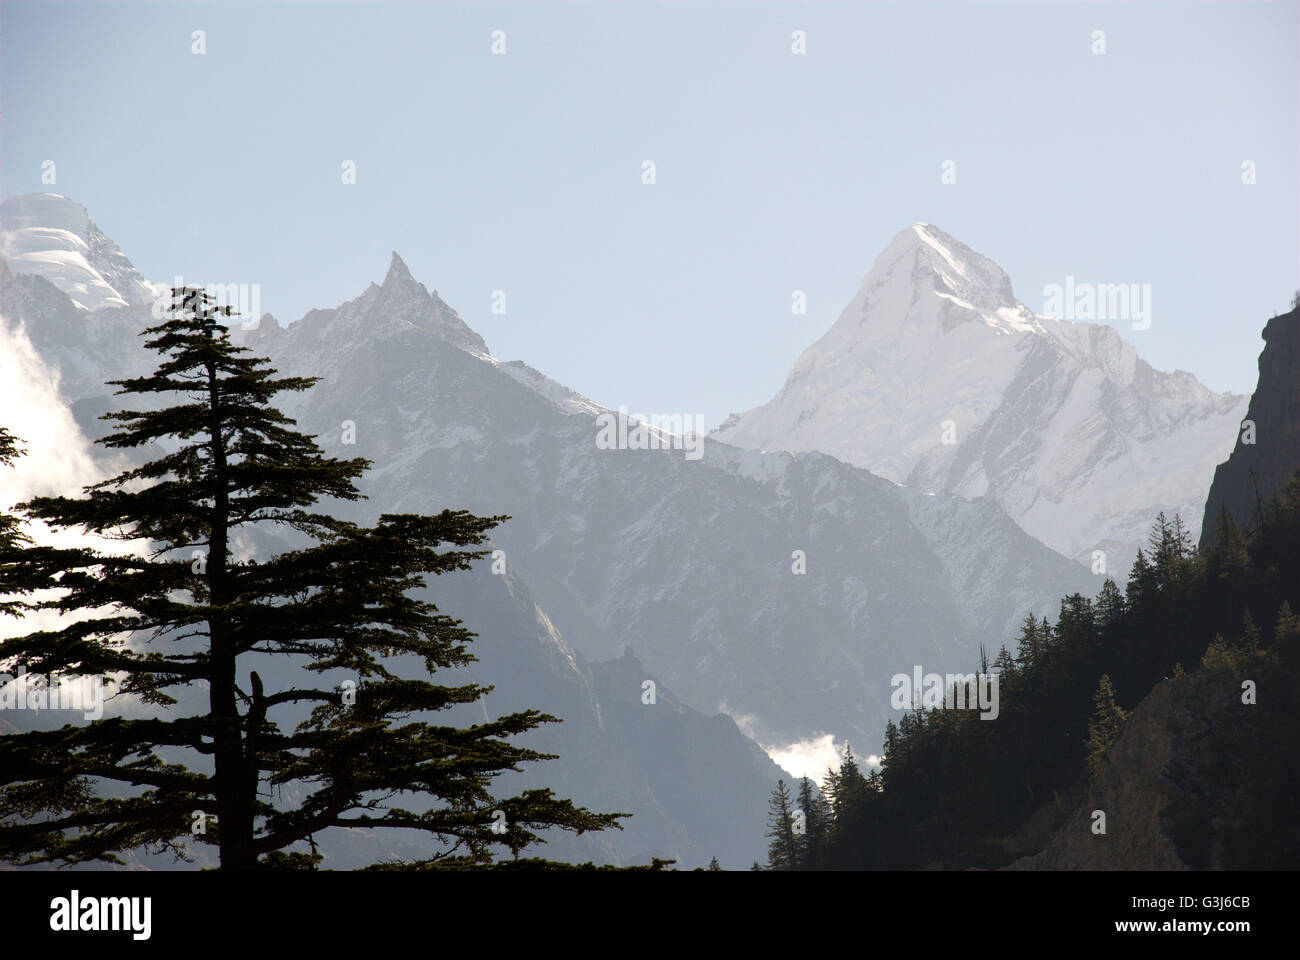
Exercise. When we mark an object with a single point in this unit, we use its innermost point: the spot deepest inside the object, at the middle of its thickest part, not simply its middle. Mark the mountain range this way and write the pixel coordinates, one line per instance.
(770, 593)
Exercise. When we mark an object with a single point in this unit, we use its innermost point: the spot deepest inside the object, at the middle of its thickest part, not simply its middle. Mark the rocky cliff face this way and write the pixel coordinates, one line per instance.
(1268, 444)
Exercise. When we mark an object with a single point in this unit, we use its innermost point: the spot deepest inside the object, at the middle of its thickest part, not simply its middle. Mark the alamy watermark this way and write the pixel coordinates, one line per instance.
(1098, 301)
(243, 299)
(674, 431)
(75, 913)
(35, 691)
(950, 691)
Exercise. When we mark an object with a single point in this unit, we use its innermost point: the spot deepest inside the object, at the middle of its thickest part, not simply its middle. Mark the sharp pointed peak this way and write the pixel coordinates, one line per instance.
(922, 259)
(400, 282)
(398, 271)
(935, 236)
(927, 234)
(945, 255)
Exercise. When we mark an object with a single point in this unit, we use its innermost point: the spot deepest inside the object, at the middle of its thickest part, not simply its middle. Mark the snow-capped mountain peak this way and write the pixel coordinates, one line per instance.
(935, 375)
(965, 272)
(53, 237)
(935, 281)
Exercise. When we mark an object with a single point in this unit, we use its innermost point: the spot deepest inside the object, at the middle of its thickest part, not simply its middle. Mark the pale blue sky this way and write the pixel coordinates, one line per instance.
(775, 172)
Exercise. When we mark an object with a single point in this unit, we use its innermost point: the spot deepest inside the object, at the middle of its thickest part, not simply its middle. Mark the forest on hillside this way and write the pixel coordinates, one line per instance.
(953, 792)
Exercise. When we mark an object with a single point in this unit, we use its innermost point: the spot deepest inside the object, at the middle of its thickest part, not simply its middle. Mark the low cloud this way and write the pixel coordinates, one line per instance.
(809, 757)
(57, 460)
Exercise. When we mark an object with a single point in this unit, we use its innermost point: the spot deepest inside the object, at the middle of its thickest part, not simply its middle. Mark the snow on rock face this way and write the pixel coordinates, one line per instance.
(937, 376)
(53, 237)
(687, 562)
(788, 588)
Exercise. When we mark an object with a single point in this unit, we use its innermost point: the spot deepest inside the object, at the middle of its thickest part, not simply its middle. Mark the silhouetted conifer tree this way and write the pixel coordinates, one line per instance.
(311, 634)
(783, 848)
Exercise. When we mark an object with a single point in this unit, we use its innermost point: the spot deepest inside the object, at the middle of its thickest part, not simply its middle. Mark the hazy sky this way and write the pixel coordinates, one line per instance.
(774, 171)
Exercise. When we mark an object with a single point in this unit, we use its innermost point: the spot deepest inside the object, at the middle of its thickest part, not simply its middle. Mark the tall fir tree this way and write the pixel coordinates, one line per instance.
(1104, 727)
(817, 824)
(1109, 606)
(1004, 665)
(850, 785)
(1286, 628)
(325, 621)
(783, 846)
(1229, 558)
(1032, 643)
(1248, 640)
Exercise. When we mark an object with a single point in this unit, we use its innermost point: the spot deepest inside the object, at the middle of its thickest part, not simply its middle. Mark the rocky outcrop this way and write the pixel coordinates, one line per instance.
(1268, 445)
